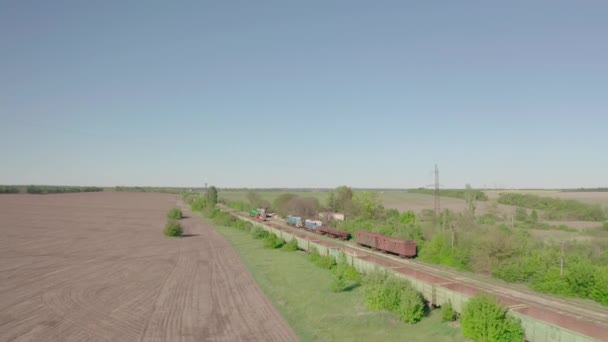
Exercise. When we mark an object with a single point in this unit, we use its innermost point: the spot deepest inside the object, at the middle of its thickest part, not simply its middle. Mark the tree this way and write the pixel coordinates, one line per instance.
(306, 207)
(471, 198)
(521, 214)
(340, 199)
(369, 205)
(280, 204)
(256, 200)
(211, 196)
(534, 216)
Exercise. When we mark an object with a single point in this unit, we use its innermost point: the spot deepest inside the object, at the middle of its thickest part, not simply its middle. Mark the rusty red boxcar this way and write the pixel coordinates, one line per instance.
(340, 234)
(404, 248)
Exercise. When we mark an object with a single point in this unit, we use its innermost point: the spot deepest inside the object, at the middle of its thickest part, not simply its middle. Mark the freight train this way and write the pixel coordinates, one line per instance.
(317, 227)
(388, 244)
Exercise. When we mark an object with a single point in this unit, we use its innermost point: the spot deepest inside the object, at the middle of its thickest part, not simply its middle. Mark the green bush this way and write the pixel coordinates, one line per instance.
(411, 308)
(484, 320)
(173, 228)
(338, 284)
(174, 214)
(273, 241)
(259, 233)
(325, 262)
(198, 203)
(347, 272)
(447, 312)
(291, 246)
(383, 292)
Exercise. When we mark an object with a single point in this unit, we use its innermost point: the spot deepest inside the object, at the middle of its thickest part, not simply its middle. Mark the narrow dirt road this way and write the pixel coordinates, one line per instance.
(96, 267)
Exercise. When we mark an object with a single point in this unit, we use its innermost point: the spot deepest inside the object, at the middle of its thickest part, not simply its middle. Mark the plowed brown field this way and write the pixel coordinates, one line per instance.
(95, 266)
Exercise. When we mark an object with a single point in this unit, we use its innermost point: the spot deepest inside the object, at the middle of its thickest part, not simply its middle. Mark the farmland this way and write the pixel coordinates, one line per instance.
(95, 266)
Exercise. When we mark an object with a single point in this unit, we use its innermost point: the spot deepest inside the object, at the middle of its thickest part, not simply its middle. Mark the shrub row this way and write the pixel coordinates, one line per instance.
(9, 189)
(555, 208)
(454, 193)
(49, 189)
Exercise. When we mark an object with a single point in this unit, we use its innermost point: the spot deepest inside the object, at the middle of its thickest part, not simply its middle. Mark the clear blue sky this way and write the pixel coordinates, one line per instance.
(304, 94)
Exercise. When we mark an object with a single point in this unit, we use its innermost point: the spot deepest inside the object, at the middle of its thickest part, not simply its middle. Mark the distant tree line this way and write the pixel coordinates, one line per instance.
(555, 208)
(9, 189)
(586, 190)
(52, 189)
(168, 190)
(455, 193)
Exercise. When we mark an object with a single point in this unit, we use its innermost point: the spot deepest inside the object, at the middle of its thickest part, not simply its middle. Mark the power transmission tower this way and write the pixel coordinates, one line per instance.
(437, 204)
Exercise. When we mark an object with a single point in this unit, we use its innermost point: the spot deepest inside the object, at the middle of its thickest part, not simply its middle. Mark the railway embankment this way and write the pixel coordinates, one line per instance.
(543, 319)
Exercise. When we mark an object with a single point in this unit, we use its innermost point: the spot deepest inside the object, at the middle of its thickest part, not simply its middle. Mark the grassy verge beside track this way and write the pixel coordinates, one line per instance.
(301, 292)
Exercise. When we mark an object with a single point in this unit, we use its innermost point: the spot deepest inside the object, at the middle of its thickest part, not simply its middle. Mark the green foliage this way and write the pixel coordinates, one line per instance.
(368, 205)
(211, 196)
(322, 261)
(487, 219)
(447, 312)
(291, 246)
(555, 208)
(455, 193)
(259, 233)
(411, 308)
(198, 203)
(338, 284)
(439, 251)
(405, 226)
(534, 216)
(173, 228)
(174, 214)
(50, 189)
(539, 265)
(256, 200)
(9, 189)
(272, 241)
(521, 214)
(166, 190)
(341, 200)
(383, 292)
(288, 204)
(484, 320)
(347, 272)
(470, 196)
(599, 293)
(281, 204)
(238, 205)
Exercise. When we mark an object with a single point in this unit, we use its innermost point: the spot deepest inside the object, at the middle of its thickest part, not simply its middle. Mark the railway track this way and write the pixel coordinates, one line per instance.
(577, 310)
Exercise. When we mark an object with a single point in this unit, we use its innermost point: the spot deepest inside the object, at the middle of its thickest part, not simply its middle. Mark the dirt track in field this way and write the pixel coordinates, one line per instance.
(95, 266)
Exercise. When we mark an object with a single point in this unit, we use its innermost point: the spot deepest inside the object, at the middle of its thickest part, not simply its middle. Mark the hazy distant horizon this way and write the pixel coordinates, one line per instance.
(600, 188)
(306, 94)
